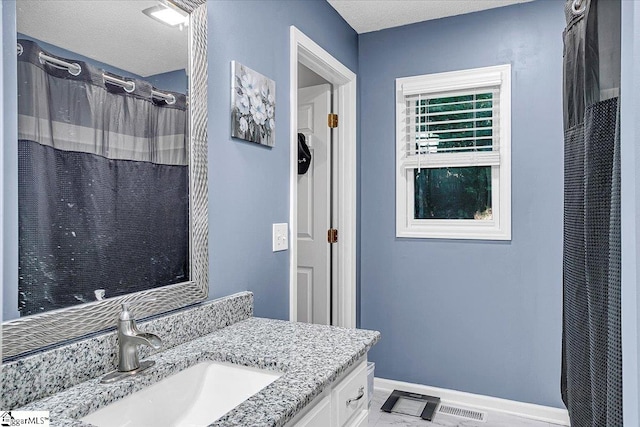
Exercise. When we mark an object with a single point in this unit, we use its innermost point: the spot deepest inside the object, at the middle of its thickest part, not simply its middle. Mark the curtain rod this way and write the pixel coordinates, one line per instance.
(129, 86)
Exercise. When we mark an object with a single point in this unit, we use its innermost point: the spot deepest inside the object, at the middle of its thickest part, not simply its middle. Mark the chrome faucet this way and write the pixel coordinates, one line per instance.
(129, 338)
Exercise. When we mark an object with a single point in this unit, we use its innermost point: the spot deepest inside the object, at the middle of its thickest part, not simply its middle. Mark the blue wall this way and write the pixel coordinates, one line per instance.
(477, 316)
(175, 81)
(630, 171)
(249, 183)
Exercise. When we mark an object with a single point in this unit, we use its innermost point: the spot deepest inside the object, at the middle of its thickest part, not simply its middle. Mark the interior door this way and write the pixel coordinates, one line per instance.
(314, 208)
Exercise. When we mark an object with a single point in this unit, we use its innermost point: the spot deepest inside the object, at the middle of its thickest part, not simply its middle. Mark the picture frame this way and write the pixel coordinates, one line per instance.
(253, 104)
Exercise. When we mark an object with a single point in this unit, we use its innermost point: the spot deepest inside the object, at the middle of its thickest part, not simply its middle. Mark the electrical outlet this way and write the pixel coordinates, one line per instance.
(280, 237)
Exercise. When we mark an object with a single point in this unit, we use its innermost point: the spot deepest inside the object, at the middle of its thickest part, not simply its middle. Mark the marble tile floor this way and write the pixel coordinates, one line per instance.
(378, 418)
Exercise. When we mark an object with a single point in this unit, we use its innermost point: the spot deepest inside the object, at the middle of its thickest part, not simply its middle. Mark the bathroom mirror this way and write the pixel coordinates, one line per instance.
(175, 271)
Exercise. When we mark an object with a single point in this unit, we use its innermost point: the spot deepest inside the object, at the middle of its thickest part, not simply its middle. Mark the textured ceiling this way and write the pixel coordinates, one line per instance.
(114, 32)
(372, 15)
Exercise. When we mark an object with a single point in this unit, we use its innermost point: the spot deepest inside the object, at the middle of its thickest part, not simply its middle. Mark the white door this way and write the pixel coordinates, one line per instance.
(314, 208)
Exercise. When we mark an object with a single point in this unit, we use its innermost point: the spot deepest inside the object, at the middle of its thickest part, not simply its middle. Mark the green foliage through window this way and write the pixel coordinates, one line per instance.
(453, 193)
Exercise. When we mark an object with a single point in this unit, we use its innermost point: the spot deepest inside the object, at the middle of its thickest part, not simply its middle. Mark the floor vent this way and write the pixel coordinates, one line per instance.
(462, 413)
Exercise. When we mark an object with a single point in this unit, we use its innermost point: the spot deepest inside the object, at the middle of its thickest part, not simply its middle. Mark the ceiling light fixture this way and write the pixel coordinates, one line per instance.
(168, 14)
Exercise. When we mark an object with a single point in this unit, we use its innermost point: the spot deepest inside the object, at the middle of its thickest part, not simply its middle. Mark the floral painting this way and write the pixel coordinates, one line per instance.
(253, 106)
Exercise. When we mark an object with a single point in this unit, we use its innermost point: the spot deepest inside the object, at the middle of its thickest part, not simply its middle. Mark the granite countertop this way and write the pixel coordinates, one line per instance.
(310, 357)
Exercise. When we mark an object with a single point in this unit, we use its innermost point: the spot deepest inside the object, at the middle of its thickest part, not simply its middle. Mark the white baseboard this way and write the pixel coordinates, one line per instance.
(478, 401)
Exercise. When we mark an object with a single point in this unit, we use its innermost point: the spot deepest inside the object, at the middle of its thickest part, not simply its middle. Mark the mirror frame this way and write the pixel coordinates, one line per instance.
(32, 333)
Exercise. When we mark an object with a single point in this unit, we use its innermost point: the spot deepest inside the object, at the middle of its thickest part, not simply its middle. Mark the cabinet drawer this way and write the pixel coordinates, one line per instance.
(349, 397)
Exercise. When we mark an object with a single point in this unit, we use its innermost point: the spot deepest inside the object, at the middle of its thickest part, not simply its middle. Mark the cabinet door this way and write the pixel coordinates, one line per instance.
(349, 397)
(319, 416)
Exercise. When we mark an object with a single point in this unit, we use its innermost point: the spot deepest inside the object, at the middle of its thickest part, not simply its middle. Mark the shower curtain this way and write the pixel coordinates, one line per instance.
(103, 186)
(591, 381)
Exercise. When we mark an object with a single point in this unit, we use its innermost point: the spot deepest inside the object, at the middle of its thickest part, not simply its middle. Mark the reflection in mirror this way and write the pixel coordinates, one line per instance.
(111, 160)
(102, 153)
(102, 183)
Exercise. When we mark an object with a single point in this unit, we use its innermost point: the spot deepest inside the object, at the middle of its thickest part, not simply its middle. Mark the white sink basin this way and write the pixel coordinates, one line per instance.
(196, 396)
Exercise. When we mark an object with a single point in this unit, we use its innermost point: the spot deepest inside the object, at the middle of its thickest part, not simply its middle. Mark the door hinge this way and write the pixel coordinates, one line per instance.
(333, 120)
(332, 235)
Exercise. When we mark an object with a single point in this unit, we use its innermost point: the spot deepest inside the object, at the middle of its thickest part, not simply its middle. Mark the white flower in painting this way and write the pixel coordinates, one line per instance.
(244, 126)
(264, 90)
(242, 103)
(249, 84)
(255, 99)
(259, 113)
(253, 106)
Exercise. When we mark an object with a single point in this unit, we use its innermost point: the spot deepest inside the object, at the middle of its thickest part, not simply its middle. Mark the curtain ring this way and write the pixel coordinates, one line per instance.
(75, 69)
(578, 6)
(131, 88)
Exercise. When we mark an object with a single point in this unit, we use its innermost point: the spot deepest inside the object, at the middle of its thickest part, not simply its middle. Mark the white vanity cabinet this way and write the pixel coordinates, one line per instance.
(318, 416)
(344, 404)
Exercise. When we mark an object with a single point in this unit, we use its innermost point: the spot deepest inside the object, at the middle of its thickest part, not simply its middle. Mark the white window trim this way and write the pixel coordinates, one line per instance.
(499, 228)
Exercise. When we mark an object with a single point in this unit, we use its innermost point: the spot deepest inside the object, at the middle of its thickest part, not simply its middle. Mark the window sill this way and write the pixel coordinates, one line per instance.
(459, 233)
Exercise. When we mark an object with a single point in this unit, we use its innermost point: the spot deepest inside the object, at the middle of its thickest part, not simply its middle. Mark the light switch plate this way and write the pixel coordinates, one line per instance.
(280, 237)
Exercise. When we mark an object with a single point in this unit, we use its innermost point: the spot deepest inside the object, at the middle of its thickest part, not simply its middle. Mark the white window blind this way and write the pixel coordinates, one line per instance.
(455, 128)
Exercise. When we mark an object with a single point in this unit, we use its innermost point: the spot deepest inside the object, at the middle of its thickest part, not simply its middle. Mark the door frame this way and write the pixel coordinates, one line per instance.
(318, 60)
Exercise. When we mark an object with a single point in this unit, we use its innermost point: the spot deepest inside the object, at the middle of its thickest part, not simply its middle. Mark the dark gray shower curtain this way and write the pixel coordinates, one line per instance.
(103, 186)
(591, 382)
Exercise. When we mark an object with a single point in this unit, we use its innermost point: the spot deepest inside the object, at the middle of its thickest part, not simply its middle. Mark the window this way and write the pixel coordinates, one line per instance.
(453, 178)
